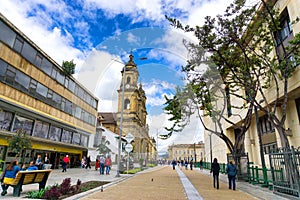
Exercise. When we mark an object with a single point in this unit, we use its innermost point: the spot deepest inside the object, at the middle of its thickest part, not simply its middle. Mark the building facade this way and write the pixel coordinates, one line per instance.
(179, 152)
(57, 112)
(270, 139)
(132, 107)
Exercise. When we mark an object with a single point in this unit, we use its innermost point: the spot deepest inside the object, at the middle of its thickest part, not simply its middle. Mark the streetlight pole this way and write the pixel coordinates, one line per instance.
(121, 124)
(121, 117)
(210, 144)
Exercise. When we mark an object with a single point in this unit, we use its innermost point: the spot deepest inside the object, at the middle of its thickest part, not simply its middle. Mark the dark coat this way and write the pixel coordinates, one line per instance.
(215, 168)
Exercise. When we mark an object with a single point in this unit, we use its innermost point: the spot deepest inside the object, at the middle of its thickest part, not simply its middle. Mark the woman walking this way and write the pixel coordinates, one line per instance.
(215, 169)
(108, 164)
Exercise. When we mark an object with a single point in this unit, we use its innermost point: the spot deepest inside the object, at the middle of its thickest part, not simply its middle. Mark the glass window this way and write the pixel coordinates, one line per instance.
(55, 133)
(67, 82)
(22, 123)
(22, 81)
(18, 44)
(50, 94)
(71, 85)
(57, 100)
(38, 60)
(53, 73)
(84, 140)
(46, 66)
(41, 129)
(42, 90)
(66, 136)
(3, 66)
(76, 138)
(10, 75)
(7, 35)
(29, 52)
(78, 112)
(5, 120)
(80, 92)
(68, 107)
(32, 87)
(60, 78)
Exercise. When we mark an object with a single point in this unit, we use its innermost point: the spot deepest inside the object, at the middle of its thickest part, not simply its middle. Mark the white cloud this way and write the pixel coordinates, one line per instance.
(38, 20)
(132, 39)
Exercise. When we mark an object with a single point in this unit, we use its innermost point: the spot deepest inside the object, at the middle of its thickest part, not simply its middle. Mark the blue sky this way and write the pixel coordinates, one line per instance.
(96, 33)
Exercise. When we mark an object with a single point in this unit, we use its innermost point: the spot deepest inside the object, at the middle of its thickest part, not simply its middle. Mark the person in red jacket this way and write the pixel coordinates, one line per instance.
(65, 162)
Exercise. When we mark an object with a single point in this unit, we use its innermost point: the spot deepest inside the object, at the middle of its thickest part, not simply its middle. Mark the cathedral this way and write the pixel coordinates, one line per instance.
(132, 108)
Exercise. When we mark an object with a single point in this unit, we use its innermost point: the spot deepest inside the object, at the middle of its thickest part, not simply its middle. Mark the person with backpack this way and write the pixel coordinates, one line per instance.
(231, 170)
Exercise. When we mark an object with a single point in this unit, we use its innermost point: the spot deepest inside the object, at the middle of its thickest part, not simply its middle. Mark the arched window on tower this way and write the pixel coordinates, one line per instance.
(127, 104)
(128, 80)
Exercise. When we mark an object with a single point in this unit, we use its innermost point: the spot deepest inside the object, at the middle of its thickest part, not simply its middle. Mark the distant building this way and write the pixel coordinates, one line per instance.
(36, 96)
(187, 152)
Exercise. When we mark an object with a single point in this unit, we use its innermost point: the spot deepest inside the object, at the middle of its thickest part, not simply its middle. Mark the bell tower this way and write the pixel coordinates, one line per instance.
(134, 107)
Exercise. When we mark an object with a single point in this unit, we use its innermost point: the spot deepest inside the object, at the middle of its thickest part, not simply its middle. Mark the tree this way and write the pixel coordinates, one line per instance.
(68, 67)
(103, 148)
(19, 143)
(239, 44)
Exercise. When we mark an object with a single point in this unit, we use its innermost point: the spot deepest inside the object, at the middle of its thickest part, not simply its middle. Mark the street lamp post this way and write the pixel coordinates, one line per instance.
(121, 124)
(121, 117)
(210, 144)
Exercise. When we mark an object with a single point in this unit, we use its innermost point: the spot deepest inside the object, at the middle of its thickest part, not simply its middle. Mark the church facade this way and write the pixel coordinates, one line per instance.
(131, 114)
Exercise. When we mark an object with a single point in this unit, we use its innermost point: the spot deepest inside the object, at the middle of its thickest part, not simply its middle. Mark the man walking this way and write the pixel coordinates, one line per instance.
(65, 162)
(101, 161)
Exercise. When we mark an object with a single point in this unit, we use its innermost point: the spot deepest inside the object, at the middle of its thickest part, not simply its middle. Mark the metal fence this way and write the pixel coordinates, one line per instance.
(288, 162)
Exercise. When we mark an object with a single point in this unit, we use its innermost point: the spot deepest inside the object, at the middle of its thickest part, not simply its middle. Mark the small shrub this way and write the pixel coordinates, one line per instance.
(36, 194)
(52, 194)
(132, 171)
(65, 186)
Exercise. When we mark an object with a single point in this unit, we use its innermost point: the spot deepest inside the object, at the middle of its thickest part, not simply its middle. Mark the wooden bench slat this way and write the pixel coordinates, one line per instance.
(30, 177)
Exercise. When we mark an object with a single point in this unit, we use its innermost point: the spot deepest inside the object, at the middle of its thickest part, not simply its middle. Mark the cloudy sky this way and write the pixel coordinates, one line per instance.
(99, 35)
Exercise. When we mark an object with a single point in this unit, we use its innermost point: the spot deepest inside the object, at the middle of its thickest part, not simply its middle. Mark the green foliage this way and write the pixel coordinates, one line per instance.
(36, 194)
(132, 171)
(151, 165)
(103, 148)
(19, 142)
(238, 46)
(68, 67)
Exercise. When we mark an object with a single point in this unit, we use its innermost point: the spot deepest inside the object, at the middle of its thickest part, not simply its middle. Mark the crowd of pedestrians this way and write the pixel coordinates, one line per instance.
(231, 170)
(102, 163)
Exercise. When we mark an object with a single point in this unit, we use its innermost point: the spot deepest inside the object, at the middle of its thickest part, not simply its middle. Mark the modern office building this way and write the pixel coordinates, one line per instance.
(56, 111)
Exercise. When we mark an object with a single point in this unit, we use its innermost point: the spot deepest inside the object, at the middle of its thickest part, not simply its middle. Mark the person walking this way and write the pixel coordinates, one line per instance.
(65, 162)
(186, 164)
(201, 164)
(191, 164)
(88, 162)
(215, 169)
(101, 162)
(9, 176)
(107, 164)
(174, 163)
(231, 170)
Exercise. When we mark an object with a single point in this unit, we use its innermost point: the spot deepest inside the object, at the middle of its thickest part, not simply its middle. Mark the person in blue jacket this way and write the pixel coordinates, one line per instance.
(231, 170)
(32, 166)
(9, 176)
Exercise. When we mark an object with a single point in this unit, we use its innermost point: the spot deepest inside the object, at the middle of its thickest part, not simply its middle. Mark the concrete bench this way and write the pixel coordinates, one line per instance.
(30, 177)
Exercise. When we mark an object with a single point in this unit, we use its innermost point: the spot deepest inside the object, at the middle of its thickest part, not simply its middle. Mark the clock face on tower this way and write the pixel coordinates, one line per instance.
(127, 86)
